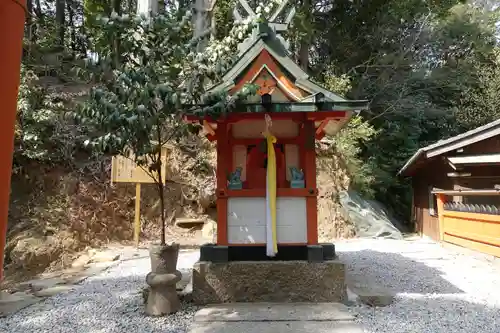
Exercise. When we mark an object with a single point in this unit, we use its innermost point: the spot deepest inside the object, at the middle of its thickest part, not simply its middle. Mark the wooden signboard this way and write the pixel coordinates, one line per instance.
(124, 170)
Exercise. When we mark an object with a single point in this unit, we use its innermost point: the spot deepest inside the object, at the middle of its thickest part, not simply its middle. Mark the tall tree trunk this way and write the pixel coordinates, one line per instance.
(305, 42)
(131, 7)
(161, 6)
(60, 22)
(72, 28)
(117, 8)
(30, 23)
(38, 11)
(29, 8)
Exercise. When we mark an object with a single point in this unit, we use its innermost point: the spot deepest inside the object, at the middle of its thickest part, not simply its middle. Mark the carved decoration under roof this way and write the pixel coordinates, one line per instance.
(278, 18)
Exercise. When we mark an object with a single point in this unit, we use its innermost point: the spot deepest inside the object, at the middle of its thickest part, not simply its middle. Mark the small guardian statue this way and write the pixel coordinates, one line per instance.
(234, 179)
(297, 178)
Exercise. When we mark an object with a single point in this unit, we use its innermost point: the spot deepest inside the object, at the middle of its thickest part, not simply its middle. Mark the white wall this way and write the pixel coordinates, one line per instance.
(246, 219)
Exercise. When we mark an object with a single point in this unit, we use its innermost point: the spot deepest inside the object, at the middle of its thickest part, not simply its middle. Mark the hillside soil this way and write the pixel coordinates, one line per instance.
(56, 214)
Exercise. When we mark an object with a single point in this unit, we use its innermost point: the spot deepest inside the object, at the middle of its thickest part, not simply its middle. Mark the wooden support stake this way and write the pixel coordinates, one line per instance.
(137, 220)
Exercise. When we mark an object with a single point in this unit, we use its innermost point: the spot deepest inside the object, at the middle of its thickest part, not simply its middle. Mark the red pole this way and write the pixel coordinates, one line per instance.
(12, 16)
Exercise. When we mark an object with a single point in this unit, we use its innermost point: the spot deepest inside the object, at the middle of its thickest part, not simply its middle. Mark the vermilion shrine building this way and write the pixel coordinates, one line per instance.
(302, 112)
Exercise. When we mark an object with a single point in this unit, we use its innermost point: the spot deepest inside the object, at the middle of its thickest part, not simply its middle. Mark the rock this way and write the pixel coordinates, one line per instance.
(82, 261)
(184, 222)
(34, 252)
(52, 291)
(372, 295)
(46, 283)
(11, 303)
(370, 218)
(39, 284)
(105, 257)
(209, 230)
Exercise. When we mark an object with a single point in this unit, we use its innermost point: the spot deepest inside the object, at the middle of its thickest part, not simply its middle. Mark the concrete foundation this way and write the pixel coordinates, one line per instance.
(268, 281)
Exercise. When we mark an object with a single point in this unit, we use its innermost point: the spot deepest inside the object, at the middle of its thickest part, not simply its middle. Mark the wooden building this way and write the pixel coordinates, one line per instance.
(456, 189)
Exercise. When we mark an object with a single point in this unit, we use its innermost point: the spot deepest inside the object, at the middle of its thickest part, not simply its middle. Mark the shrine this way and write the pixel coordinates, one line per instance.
(267, 228)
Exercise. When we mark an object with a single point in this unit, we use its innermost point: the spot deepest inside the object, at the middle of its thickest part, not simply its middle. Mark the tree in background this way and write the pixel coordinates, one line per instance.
(137, 106)
(428, 68)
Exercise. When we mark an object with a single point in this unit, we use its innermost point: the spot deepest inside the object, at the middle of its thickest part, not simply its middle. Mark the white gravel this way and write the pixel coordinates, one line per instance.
(437, 289)
(110, 302)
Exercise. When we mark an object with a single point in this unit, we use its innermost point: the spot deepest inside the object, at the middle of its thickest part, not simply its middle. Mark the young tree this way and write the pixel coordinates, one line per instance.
(137, 107)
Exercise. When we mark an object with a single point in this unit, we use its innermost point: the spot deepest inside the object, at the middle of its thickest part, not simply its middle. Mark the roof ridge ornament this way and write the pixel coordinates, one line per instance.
(277, 14)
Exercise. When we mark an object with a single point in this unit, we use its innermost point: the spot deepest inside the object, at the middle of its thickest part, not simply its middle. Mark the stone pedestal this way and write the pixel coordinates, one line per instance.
(269, 281)
(162, 298)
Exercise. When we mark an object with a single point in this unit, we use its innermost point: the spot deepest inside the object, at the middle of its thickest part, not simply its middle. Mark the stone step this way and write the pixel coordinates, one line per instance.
(275, 318)
(274, 312)
(185, 222)
(277, 327)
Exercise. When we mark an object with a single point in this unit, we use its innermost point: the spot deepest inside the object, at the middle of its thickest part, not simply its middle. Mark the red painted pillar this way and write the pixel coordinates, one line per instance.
(12, 16)
(224, 158)
(309, 134)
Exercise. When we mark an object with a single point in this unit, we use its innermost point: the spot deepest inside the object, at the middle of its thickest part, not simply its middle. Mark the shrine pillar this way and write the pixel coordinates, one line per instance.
(12, 17)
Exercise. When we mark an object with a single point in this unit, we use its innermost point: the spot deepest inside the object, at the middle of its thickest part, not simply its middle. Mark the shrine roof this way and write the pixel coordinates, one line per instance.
(265, 39)
(328, 106)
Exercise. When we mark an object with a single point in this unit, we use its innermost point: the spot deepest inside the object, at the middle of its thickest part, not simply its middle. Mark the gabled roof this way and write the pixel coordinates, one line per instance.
(267, 40)
(443, 146)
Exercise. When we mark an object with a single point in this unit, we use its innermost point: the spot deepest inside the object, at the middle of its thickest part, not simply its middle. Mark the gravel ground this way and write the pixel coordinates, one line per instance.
(108, 303)
(437, 289)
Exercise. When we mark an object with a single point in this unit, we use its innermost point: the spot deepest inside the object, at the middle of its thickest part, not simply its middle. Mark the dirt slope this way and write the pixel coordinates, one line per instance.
(55, 213)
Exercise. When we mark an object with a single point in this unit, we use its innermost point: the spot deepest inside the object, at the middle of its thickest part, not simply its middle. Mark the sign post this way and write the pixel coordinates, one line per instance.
(137, 219)
(125, 170)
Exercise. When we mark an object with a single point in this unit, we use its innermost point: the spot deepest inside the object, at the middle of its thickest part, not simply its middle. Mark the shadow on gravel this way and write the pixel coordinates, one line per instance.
(105, 305)
(442, 313)
(395, 272)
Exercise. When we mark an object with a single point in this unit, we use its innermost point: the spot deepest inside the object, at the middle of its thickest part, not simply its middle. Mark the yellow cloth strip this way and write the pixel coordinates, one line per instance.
(271, 179)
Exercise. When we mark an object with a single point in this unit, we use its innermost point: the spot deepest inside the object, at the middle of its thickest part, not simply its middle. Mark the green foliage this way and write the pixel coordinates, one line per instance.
(481, 103)
(138, 103)
(37, 118)
(423, 66)
(348, 145)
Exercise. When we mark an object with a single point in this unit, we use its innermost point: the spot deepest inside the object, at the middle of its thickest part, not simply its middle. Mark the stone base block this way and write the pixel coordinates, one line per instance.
(268, 281)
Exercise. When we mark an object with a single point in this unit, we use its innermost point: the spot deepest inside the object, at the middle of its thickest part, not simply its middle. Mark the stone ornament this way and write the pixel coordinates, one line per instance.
(162, 298)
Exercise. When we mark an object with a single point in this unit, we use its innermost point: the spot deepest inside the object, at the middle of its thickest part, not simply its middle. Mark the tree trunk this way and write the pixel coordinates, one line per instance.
(117, 8)
(71, 24)
(29, 17)
(305, 42)
(161, 6)
(60, 22)
(161, 193)
(38, 11)
(30, 29)
(131, 7)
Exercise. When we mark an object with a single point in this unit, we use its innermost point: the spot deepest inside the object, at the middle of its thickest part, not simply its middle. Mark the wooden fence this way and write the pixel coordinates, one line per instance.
(476, 227)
